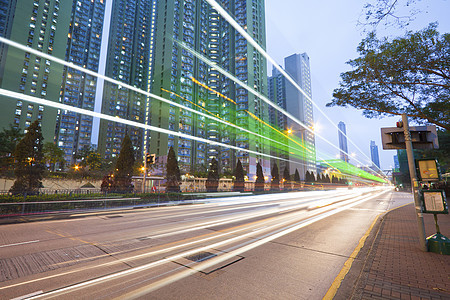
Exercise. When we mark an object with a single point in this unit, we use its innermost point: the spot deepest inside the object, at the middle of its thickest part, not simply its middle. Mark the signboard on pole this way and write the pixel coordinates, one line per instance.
(428, 169)
(434, 202)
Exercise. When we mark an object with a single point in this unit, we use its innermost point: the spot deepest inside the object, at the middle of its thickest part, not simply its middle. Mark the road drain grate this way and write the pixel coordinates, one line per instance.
(195, 261)
(201, 256)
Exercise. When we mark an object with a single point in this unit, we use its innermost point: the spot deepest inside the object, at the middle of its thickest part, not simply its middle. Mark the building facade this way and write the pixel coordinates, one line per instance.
(188, 35)
(128, 62)
(74, 131)
(343, 141)
(43, 26)
(300, 150)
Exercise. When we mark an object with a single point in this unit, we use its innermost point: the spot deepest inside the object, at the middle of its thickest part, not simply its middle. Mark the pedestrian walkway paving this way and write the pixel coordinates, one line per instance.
(394, 267)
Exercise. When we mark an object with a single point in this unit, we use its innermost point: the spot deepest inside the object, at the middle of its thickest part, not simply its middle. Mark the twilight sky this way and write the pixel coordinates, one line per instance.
(327, 31)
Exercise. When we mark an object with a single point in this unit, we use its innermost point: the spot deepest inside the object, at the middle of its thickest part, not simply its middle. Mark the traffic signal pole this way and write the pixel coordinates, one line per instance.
(414, 183)
(144, 178)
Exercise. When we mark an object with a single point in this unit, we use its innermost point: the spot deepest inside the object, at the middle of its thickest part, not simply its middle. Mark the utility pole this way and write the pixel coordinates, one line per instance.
(414, 183)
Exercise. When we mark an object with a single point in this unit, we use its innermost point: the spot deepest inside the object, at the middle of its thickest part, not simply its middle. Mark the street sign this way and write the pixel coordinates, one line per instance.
(422, 137)
(434, 202)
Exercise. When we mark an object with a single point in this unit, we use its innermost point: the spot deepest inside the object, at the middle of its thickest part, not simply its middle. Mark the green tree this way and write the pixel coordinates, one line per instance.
(409, 74)
(275, 184)
(259, 183)
(286, 175)
(29, 161)
(307, 177)
(212, 181)
(397, 13)
(173, 175)
(443, 153)
(53, 155)
(297, 176)
(9, 137)
(124, 167)
(296, 179)
(238, 184)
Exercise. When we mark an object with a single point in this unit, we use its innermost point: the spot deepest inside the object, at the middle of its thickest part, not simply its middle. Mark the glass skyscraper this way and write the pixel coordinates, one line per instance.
(301, 151)
(374, 154)
(343, 141)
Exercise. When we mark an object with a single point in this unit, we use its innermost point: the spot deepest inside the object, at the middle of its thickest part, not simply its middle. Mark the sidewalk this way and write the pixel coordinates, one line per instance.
(391, 265)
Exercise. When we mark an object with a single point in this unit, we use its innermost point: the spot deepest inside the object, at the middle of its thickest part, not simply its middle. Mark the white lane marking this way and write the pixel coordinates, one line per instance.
(28, 295)
(16, 244)
(265, 238)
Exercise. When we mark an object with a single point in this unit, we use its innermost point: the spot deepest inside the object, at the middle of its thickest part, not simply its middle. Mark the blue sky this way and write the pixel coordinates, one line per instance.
(327, 31)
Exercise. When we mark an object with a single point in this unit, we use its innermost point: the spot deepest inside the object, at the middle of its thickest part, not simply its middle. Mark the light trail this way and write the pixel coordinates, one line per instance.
(214, 4)
(270, 229)
(259, 95)
(16, 95)
(253, 202)
(140, 125)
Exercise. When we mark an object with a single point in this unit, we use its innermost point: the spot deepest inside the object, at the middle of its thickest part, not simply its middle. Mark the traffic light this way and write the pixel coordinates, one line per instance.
(150, 159)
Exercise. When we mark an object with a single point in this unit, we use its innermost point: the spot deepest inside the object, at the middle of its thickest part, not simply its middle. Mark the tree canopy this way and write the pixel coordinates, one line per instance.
(9, 137)
(409, 74)
(29, 161)
(212, 182)
(389, 12)
(238, 184)
(259, 182)
(124, 167)
(173, 175)
(275, 184)
(53, 155)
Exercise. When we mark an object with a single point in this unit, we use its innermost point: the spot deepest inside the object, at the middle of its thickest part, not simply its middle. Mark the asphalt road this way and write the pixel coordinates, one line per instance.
(279, 246)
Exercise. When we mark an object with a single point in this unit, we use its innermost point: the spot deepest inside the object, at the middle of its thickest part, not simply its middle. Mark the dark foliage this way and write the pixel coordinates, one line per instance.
(238, 184)
(259, 183)
(286, 175)
(275, 184)
(124, 167)
(297, 176)
(9, 137)
(29, 163)
(173, 175)
(212, 181)
(409, 74)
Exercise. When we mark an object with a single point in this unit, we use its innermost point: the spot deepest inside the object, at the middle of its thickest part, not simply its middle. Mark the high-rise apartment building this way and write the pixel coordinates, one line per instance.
(343, 141)
(44, 26)
(128, 62)
(374, 154)
(73, 130)
(185, 30)
(288, 97)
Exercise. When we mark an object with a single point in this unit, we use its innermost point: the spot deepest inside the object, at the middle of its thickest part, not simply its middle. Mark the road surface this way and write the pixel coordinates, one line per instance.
(279, 246)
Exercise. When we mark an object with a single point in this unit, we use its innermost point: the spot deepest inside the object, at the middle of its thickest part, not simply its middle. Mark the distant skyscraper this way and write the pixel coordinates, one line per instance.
(343, 141)
(289, 98)
(74, 131)
(374, 154)
(43, 26)
(396, 163)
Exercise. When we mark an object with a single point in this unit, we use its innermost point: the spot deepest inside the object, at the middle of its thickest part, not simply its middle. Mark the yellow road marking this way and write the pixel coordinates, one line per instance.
(348, 264)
